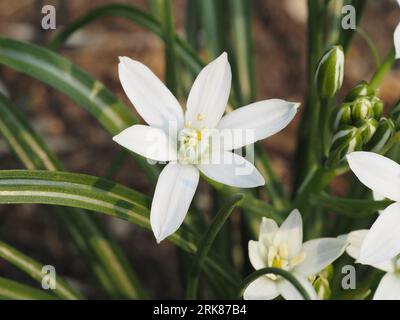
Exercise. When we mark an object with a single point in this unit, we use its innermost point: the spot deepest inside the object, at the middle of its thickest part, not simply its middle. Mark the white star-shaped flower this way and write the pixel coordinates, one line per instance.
(199, 139)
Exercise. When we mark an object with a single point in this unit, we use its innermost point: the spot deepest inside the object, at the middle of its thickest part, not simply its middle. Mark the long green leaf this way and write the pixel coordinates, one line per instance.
(242, 45)
(136, 15)
(353, 208)
(107, 260)
(12, 290)
(78, 85)
(95, 194)
(34, 270)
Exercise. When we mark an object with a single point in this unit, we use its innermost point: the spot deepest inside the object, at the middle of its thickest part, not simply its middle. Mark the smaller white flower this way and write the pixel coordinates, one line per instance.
(382, 176)
(283, 247)
(389, 286)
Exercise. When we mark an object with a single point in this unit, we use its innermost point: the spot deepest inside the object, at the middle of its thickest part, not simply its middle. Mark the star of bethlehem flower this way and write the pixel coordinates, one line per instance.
(283, 247)
(382, 175)
(191, 141)
(389, 286)
(396, 36)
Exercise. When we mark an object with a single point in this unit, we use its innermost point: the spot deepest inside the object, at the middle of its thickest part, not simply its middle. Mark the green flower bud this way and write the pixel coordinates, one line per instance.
(361, 109)
(360, 90)
(346, 140)
(367, 128)
(330, 71)
(341, 116)
(395, 115)
(383, 133)
(377, 107)
(322, 288)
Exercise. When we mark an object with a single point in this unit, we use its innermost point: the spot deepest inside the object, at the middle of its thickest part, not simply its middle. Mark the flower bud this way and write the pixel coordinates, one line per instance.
(383, 133)
(367, 128)
(360, 90)
(346, 140)
(361, 109)
(322, 288)
(341, 116)
(377, 107)
(395, 115)
(329, 74)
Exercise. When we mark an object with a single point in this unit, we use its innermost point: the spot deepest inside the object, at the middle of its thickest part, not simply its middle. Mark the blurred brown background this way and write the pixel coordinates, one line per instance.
(279, 29)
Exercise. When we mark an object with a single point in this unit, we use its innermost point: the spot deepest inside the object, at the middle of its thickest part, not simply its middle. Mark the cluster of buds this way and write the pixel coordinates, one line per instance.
(357, 124)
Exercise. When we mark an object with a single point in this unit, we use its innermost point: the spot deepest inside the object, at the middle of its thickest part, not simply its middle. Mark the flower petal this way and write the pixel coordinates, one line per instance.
(268, 229)
(289, 292)
(383, 239)
(149, 142)
(389, 287)
(174, 192)
(255, 257)
(151, 98)
(377, 172)
(209, 95)
(355, 240)
(233, 170)
(261, 289)
(255, 122)
(396, 39)
(291, 233)
(319, 253)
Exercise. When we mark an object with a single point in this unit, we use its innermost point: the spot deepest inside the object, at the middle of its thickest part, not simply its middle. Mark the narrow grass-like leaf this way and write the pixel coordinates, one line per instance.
(206, 243)
(136, 15)
(12, 290)
(95, 194)
(167, 22)
(353, 208)
(34, 270)
(78, 85)
(242, 45)
(106, 259)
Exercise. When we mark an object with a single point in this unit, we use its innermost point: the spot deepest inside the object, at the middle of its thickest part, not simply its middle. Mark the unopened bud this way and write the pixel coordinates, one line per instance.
(340, 116)
(383, 133)
(360, 90)
(367, 128)
(361, 109)
(330, 71)
(395, 115)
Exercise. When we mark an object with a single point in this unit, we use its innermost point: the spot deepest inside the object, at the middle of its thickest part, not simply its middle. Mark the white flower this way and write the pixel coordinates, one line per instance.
(382, 175)
(283, 247)
(389, 287)
(396, 38)
(188, 140)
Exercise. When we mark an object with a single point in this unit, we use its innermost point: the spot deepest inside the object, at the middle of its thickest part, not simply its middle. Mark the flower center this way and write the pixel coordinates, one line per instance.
(193, 145)
(278, 257)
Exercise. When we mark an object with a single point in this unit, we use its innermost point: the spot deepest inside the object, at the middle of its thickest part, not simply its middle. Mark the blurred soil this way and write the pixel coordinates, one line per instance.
(83, 146)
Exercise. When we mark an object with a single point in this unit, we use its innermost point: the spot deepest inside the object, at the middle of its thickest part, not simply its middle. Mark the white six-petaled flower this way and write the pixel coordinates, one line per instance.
(382, 175)
(389, 286)
(283, 247)
(185, 139)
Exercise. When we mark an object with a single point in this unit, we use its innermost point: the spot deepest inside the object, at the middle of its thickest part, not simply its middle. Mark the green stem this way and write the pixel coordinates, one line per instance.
(371, 46)
(167, 23)
(206, 243)
(279, 272)
(383, 69)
